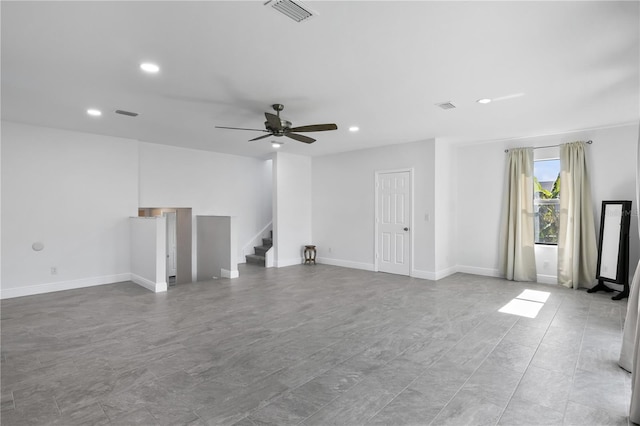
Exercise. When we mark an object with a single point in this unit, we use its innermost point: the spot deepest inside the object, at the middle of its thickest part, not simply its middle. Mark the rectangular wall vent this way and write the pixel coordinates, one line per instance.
(446, 105)
(293, 9)
(129, 113)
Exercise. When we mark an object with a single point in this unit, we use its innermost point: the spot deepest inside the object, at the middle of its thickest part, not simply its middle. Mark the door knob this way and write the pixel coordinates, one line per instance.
(406, 229)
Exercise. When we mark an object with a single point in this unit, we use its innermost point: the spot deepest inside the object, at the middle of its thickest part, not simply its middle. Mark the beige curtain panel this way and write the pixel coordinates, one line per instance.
(630, 326)
(517, 254)
(629, 356)
(577, 246)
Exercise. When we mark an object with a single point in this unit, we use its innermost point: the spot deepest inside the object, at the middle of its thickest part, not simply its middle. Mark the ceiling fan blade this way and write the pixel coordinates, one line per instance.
(315, 128)
(240, 128)
(300, 138)
(260, 137)
(273, 120)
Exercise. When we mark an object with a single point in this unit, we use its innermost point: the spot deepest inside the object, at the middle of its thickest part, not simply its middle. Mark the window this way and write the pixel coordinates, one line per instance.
(546, 200)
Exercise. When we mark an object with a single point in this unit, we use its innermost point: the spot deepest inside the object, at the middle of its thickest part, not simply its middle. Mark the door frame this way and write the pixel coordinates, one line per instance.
(175, 242)
(376, 247)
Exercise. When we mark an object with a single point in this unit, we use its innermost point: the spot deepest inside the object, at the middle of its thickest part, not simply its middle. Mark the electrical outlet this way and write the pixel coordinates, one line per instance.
(329, 249)
(54, 270)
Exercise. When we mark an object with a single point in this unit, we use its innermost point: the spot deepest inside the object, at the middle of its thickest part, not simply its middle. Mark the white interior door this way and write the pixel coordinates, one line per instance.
(171, 244)
(394, 222)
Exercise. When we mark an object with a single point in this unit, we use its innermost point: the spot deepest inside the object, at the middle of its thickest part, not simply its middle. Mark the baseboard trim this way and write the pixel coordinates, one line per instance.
(443, 273)
(415, 273)
(148, 284)
(433, 276)
(423, 275)
(287, 262)
(547, 279)
(225, 273)
(9, 293)
(487, 272)
(346, 263)
(474, 270)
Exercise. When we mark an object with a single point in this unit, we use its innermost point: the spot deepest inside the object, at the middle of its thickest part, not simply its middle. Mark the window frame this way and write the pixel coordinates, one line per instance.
(551, 154)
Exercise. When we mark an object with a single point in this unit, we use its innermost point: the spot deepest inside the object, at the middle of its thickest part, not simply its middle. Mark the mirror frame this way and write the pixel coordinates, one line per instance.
(622, 267)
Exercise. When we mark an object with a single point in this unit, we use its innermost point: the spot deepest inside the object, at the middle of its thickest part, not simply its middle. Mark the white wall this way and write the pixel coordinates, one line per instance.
(292, 213)
(74, 192)
(344, 204)
(480, 184)
(445, 189)
(211, 184)
(0, 217)
(148, 252)
(216, 247)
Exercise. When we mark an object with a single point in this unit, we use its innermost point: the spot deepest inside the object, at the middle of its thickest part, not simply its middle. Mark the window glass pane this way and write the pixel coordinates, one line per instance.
(546, 203)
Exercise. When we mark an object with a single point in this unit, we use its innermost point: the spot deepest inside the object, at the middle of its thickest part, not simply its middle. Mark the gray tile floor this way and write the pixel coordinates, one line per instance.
(313, 345)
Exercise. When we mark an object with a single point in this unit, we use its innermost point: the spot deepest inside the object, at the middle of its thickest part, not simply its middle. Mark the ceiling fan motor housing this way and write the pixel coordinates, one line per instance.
(284, 127)
(284, 124)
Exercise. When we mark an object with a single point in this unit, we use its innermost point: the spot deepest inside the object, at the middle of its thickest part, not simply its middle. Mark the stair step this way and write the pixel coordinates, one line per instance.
(261, 250)
(267, 242)
(255, 259)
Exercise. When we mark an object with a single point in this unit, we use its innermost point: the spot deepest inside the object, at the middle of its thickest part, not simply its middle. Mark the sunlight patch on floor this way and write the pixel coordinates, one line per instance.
(534, 295)
(526, 304)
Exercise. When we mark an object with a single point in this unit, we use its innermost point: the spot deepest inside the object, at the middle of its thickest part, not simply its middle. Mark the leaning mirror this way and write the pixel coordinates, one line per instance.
(613, 247)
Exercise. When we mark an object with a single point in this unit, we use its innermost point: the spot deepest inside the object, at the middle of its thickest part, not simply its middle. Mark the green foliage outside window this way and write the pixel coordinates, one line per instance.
(548, 211)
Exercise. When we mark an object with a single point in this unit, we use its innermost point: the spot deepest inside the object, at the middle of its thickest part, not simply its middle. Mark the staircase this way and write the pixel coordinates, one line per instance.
(259, 257)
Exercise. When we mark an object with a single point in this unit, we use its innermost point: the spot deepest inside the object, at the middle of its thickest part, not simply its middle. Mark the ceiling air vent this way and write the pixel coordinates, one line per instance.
(129, 113)
(293, 9)
(446, 105)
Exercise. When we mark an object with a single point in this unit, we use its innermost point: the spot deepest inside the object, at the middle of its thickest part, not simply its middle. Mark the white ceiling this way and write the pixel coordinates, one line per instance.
(380, 65)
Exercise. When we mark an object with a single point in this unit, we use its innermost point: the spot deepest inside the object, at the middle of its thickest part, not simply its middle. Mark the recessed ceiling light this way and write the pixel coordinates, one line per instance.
(149, 67)
(276, 144)
(94, 112)
(483, 101)
(354, 128)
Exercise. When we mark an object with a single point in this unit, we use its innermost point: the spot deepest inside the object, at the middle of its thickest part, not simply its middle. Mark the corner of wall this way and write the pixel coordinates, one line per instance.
(225, 273)
(434, 276)
(157, 287)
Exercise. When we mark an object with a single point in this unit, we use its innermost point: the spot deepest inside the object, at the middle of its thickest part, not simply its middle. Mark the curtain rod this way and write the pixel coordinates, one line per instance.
(552, 146)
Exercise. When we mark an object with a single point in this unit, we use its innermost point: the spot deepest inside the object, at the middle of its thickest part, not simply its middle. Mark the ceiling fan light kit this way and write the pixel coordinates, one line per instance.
(276, 126)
